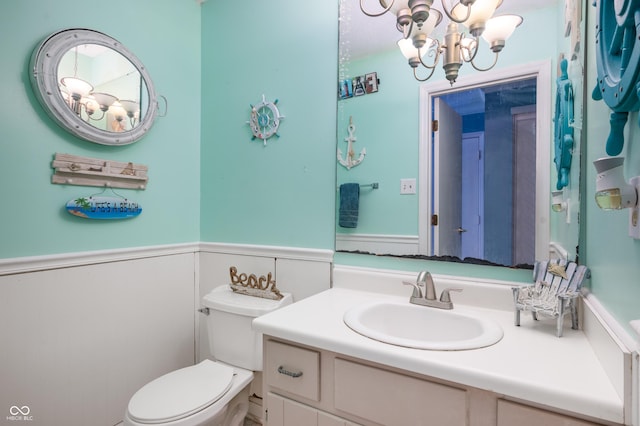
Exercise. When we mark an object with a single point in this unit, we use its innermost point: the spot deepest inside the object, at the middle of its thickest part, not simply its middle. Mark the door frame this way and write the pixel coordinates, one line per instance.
(541, 71)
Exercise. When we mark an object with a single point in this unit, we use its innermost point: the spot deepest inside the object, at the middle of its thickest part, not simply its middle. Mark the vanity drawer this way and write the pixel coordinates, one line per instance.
(293, 369)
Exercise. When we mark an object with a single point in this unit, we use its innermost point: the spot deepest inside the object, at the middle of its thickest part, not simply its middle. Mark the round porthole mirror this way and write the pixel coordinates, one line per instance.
(94, 87)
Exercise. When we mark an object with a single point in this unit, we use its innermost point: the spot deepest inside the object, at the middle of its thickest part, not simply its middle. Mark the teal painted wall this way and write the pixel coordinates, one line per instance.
(165, 35)
(281, 194)
(610, 253)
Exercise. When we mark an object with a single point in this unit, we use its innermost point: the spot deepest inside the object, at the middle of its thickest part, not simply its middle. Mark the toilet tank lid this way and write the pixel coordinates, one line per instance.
(226, 300)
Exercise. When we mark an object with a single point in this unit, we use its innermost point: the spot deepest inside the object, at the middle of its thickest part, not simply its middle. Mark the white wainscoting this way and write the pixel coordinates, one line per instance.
(81, 332)
(378, 243)
(78, 341)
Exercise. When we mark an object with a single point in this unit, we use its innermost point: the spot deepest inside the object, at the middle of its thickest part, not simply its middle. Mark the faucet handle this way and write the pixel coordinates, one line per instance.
(445, 296)
(417, 292)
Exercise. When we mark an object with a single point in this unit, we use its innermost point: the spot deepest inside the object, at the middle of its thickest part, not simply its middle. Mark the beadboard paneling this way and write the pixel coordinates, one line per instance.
(77, 342)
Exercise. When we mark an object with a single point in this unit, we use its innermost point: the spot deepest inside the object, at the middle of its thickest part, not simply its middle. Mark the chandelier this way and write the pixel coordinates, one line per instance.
(80, 96)
(417, 20)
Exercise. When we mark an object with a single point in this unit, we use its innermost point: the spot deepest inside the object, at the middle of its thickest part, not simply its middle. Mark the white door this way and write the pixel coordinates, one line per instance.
(447, 190)
(472, 195)
(524, 199)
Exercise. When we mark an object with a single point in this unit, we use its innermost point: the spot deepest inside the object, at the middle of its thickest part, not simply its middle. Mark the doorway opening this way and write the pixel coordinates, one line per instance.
(485, 168)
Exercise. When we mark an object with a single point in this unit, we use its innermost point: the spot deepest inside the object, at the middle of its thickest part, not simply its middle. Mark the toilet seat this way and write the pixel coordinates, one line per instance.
(181, 393)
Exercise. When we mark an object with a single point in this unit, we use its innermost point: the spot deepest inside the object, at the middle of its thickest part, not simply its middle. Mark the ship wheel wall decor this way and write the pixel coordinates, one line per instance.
(618, 63)
(265, 120)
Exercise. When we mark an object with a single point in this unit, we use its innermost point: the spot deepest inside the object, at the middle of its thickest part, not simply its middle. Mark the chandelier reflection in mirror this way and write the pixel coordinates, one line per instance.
(91, 105)
(417, 21)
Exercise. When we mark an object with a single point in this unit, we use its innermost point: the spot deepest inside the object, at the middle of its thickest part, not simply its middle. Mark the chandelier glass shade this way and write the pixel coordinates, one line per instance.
(499, 29)
(118, 111)
(76, 87)
(104, 100)
(132, 108)
(475, 15)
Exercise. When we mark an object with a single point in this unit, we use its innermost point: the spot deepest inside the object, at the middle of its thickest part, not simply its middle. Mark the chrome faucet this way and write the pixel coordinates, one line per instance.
(425, 279)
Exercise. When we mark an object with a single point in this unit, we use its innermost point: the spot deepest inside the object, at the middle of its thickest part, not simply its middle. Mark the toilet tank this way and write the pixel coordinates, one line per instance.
(231, 338)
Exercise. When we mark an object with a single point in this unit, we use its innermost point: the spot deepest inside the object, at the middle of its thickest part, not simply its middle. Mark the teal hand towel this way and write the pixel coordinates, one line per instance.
(349, 205)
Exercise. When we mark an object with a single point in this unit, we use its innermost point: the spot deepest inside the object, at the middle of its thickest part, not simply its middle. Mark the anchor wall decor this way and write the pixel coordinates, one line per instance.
(349, 161)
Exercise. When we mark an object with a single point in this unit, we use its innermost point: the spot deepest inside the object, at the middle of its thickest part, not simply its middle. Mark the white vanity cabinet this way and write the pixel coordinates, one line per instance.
(305, 386)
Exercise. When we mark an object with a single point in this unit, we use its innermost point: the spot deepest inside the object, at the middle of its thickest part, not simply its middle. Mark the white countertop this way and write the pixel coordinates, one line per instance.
(529, 363)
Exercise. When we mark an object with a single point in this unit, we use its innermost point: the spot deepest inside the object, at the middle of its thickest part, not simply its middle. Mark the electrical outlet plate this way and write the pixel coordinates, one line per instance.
(634, 212)
(407, 186)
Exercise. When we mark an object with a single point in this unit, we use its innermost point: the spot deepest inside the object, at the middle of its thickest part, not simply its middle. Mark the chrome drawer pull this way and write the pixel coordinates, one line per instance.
(282, 370)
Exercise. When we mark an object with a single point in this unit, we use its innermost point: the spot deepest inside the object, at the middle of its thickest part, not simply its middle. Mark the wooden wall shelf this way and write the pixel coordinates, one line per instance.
(85, 171)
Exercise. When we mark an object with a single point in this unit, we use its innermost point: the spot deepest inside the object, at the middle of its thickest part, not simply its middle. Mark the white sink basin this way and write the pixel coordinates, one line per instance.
(421, 327)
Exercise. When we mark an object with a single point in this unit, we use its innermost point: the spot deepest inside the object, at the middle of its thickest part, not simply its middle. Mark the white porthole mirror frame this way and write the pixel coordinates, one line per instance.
(46, 86)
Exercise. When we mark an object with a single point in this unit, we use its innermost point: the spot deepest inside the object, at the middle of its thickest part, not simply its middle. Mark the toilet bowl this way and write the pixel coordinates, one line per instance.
(211, 393)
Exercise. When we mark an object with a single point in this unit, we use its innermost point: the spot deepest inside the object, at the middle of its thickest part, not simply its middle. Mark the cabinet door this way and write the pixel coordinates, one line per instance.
(391, 398)
(275, 410)
(285, 412)
(511, 413)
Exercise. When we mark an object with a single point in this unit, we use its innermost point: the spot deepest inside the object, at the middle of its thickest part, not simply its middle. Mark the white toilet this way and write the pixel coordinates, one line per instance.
(212, 393)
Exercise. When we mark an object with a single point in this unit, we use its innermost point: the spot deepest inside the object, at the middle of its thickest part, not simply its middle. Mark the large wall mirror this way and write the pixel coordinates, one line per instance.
(94, 87)
(483, 195)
